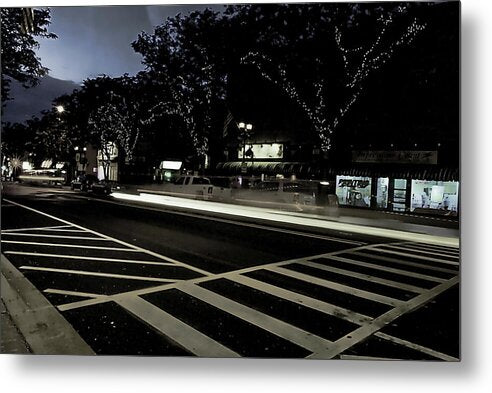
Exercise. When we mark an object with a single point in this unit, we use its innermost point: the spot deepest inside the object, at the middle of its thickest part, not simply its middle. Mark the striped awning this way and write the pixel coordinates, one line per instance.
(310, 170)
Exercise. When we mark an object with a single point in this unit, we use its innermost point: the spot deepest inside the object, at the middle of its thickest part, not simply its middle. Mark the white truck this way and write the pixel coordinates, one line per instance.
(194, 187)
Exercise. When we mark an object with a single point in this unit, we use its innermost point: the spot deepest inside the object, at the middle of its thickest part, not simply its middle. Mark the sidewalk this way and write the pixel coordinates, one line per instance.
(11, 340)
(30, 323)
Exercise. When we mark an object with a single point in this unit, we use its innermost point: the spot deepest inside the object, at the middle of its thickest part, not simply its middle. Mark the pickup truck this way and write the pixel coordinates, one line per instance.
(194, 187)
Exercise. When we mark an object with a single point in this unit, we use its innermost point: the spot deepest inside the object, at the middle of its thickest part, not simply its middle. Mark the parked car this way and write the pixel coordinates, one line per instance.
(102, 187)
(90, 183)
(84, 182)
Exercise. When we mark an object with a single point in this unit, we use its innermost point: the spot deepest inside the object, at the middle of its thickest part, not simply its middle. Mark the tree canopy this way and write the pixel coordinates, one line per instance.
(279, 66)
(19, 60)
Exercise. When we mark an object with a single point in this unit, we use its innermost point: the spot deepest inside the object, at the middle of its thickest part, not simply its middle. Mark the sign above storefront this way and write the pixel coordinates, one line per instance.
(346, 181)
(395, 157)
(262, 150)
(173, 165)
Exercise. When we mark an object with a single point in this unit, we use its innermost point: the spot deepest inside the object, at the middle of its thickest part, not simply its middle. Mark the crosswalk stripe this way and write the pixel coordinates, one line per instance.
(62, 230)
(184, 335)
(369, 329)
(35, 229)
(405, 263)
(84, 303)
(387, 269)
(279, 328)
(365, 277)
(70, 246)
(360, 357)
(72, 293)
(422, 247)
(83, 257)
(446, 262)
(302, 300)
(95, 274)
(432, 246)
(131, 246)
(225, 275)
(392, 246)
(55, 236)
(338, 287)
(416, 347)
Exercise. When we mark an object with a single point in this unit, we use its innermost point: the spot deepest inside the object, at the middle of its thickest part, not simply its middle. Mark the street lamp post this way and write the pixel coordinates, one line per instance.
(245, 130)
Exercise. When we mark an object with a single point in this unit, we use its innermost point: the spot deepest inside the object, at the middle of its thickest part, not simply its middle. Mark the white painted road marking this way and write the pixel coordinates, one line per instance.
(83, 257)
(337, 287)
(441, 254)
(443, 261)
(273, 325)
(189, 338)
(96, 274)
(72, 293)
(71, 246)
(365, 277)
(202, 345)
(399, 261)
(388, 269)
(378, 323)
(50, 228)
(55, 236)
(132, 246)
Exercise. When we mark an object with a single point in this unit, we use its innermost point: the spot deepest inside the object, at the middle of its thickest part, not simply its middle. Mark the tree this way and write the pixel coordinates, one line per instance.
(16, 139)
(324, 58)
(19, 60)
(183, 57)
(111, 124)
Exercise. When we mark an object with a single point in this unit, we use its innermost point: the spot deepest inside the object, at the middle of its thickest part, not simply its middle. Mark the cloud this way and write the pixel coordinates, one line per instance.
(96, 40)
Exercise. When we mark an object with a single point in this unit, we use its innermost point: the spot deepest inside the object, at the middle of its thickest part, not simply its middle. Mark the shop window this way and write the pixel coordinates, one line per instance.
(354, 191)
(434, 195)
(382, 193)
(399, 194)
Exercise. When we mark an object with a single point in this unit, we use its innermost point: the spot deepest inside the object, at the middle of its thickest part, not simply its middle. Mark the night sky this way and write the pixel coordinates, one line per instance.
(92, 40)
(96, 40)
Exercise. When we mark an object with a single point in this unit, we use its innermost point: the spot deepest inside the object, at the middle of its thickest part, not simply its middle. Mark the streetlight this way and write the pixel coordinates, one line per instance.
(245, 130)
(60, 109)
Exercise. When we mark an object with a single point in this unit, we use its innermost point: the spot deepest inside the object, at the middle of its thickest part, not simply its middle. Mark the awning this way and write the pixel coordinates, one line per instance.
(416, 172)
(310, 170)
(266, 167)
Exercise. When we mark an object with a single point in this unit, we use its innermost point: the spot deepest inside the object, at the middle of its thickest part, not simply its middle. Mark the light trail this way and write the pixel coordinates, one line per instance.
(285, 217)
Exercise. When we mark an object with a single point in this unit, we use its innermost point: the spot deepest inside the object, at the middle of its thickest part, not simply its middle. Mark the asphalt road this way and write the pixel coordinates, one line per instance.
(137, 281)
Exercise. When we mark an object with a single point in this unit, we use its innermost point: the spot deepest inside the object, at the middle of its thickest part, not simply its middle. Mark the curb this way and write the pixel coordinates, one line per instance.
(45, 330)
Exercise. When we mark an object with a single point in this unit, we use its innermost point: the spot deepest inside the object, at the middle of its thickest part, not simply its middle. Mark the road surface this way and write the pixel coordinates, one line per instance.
(134, 281)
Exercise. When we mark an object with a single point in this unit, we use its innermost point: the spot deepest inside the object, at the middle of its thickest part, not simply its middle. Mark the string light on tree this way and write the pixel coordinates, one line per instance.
(359, 63)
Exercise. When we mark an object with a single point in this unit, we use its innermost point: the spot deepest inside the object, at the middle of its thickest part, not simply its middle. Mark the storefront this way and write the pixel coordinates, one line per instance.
(400, 191)
(399, 181)
(107, 162)
(434, 195)
(354, 191)
(362, 191)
